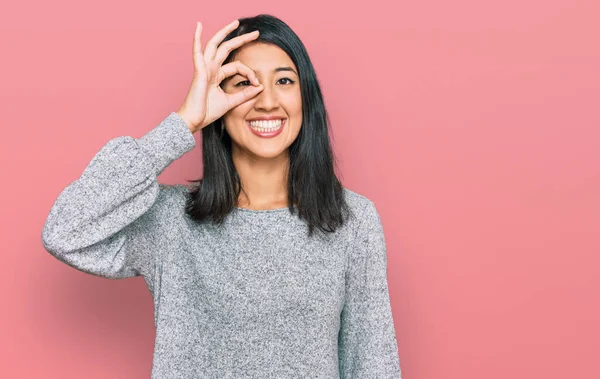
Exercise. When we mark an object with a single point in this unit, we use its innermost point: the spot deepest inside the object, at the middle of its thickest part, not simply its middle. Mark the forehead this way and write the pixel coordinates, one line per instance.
(263, 57)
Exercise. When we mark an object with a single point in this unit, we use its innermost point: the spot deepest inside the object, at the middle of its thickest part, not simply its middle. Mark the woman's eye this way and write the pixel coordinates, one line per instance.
(247, 82)
(290, 80)
(241, 83)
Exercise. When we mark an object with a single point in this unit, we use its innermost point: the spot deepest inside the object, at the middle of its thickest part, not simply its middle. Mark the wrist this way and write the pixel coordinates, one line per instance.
(186, 120)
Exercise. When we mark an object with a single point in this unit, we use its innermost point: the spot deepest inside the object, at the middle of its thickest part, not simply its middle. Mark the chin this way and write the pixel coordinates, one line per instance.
(269, 154)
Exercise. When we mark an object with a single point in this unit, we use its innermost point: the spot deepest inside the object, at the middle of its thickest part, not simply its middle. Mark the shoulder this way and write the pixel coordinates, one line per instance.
(367, 230)
(364, 214)
(171, 191)
(171, 199)
(358, 203)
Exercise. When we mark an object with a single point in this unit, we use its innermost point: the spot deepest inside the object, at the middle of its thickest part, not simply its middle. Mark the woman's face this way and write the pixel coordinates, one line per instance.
(266, 125)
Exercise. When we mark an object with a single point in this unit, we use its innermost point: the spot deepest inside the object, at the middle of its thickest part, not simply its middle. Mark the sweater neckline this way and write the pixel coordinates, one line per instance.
(274, 210)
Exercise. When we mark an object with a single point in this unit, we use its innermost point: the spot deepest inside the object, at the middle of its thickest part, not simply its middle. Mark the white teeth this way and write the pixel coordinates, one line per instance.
(266, 126)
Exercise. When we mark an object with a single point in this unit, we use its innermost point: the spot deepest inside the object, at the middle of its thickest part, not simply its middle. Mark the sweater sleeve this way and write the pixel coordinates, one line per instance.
(367, 345)
(104, 223)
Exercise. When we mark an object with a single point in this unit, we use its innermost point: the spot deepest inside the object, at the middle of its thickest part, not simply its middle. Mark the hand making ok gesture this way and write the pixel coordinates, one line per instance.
(206, 101)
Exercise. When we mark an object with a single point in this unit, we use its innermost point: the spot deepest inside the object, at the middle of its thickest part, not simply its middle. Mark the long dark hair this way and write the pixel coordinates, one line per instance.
(313, 186)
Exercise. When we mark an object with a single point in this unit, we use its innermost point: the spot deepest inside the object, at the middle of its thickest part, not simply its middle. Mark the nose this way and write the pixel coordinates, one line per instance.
(266, 100)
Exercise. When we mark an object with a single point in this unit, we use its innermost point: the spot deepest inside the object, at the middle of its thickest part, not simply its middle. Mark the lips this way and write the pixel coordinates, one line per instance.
(266, 118)
(267, 133)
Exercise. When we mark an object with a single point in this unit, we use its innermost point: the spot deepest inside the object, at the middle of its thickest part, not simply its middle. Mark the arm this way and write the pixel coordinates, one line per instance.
(367, 345)
(104, 222)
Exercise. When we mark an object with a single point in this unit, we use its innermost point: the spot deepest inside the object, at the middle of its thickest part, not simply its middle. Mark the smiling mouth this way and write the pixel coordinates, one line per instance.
(266, 128)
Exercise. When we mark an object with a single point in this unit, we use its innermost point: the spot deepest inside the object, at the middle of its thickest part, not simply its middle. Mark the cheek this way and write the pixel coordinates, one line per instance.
(294, 105)
(236, 114)
(298, 113)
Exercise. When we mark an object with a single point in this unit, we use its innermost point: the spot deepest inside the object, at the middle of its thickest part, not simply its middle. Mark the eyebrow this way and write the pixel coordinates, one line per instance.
(278, 69)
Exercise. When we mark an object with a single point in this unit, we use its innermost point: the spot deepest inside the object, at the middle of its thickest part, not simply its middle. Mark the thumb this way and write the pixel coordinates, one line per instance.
(248, 93)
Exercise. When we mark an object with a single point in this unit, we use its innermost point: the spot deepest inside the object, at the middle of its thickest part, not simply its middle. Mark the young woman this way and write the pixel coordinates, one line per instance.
(265, 268)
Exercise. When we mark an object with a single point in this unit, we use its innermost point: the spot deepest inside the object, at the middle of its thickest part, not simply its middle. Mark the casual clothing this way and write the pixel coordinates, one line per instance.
(252, 298)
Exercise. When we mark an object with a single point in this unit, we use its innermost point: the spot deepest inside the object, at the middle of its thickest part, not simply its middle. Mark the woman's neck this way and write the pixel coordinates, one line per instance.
(264, 181)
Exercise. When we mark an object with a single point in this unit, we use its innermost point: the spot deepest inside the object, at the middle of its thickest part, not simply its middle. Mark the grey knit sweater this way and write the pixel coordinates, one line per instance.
(253, 298)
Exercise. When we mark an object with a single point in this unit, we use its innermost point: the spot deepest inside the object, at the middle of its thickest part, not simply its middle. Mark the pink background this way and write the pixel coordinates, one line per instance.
(472, 125)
